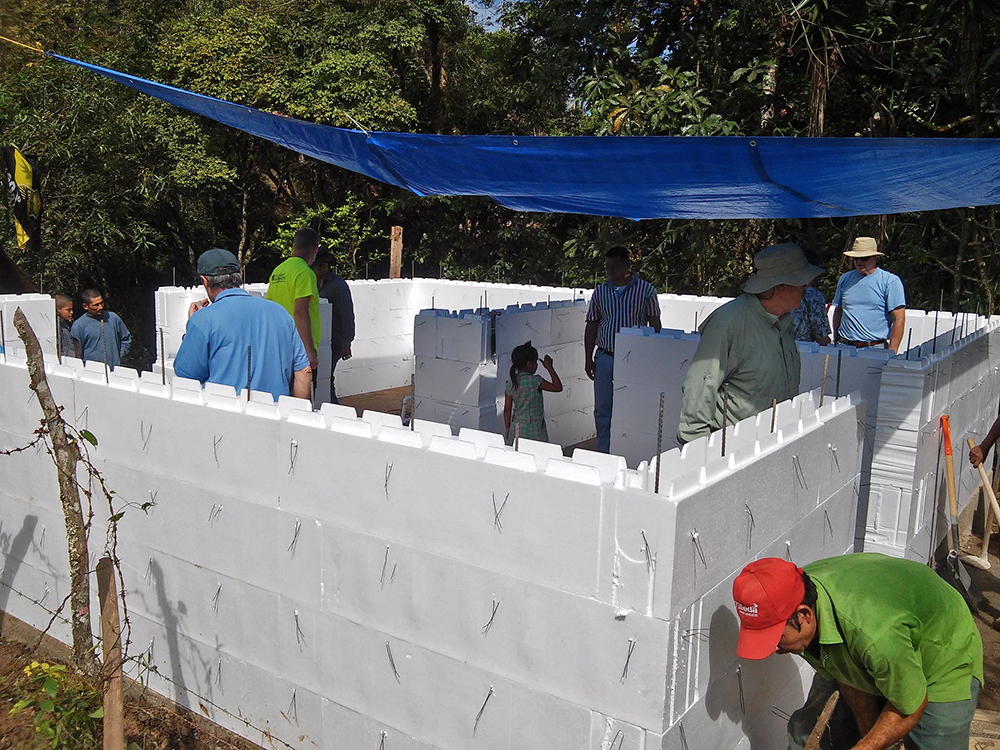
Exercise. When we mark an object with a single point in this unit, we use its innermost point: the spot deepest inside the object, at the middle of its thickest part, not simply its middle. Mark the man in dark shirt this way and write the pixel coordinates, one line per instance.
(336, 291)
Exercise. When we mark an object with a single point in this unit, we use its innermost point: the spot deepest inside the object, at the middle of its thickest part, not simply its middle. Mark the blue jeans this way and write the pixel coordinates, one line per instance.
(943, 726)
(333, 389)
(604, 393)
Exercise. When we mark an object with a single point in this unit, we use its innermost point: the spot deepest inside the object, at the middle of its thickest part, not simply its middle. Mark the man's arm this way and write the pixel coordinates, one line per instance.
(837, 313)
(303, 325)
(345, 309)
(890, 727)
(589, 342)
(700, 392)
(302, 383)
(898, 324)
(126, 339)
(978, 454)
(191, 360)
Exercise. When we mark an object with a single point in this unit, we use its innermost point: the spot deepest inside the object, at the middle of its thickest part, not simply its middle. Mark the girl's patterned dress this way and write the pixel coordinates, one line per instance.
(527, 419)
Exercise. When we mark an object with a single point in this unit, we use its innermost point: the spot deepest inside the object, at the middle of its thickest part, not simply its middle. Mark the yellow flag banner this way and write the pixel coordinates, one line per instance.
(24, 187)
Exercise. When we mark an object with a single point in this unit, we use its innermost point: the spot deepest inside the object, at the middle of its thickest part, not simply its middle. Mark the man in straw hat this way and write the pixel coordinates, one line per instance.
(747, 355)
(897, 641)
(870, 302)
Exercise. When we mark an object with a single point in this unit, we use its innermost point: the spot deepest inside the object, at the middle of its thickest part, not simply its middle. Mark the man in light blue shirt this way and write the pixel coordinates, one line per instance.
(238, 340)
(870, 302)
(100, 335)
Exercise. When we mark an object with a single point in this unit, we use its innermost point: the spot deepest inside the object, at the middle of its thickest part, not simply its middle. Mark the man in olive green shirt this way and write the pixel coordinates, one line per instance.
(747, 355)
(293, 286)
(887, 631)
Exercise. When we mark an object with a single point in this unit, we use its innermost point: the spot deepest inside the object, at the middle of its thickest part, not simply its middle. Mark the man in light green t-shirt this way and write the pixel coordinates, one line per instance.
(895, 639)
(293, 286)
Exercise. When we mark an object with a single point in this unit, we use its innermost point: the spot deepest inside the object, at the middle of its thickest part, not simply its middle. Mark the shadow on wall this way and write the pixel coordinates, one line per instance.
(13, 548)
(170, 624)
(744, 690)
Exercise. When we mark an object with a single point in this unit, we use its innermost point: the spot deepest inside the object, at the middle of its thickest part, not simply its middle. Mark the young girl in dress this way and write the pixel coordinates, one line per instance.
(523, 410)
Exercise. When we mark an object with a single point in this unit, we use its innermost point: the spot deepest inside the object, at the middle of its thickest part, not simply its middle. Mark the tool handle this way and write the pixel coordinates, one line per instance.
(949, 466)
(987, 487)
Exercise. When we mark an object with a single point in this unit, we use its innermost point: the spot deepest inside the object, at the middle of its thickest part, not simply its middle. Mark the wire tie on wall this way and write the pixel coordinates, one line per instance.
(482, 708)
(799, 474)
(44, 596)
(392, 575)
(780, 714)
(148, 575)
(487, 626)
(828, 523)
(215, 599)
(152, 498)
(293, 452)
(293, 709)
(41, 539)
(702, 634)
(392, 662)
(788, 550)
(628, 658)
(750, 524)
(650, 559)
(739, 682)
(299, 635)
(619, 735)
(145, 438)
(697, 545)
(214, 513)
(833, 450)
(381, 744)
(215, 447)
(295, 535)
(497, 511)
(385, 561)
(388, 471)
(218, 674)
(684, 739)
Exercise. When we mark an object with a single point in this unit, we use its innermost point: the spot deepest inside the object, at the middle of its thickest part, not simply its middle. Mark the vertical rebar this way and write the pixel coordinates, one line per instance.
(659, 446)
(936, 314)
(822, 389)
(163, 359)
(774, 412)
(725, 414)
(840, 358)
(909, 340)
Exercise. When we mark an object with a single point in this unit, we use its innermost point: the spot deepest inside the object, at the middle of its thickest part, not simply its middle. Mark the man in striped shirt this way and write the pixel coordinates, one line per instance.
(623, 301)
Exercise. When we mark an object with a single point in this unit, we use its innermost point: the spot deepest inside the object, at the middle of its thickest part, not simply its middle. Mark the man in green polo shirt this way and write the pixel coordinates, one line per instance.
(293, 286)
(897, 640)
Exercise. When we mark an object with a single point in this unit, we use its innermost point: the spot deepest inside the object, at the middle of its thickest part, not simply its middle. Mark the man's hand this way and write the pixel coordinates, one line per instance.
(589, 368)
(345, 353)
(313, 359)
(196, 306)
(976, 456)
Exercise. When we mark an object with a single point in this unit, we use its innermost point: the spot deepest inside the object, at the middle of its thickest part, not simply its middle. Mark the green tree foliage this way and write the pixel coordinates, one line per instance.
(135, 189)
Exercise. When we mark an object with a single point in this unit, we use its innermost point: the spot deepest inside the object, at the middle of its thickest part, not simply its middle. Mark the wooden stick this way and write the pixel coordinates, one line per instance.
(114, 710)
(822, 390)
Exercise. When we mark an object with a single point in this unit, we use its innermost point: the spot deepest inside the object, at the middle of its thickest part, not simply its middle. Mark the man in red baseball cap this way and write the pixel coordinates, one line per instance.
(895, 639)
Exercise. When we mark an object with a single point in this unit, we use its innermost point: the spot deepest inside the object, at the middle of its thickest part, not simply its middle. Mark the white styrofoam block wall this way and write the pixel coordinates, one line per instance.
(413, 547)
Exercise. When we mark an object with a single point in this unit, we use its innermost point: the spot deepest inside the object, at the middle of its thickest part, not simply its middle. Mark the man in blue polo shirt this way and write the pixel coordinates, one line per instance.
(870, 302)
(233, 338)
(623, 301)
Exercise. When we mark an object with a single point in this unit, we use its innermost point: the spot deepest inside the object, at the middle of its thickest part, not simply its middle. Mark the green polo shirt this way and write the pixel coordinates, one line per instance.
(894, 628)
(292, 280)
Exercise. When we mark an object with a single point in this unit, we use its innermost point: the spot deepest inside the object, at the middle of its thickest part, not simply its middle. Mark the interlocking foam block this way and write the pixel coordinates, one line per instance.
(343, 725)
(464, 383)
(423, 598)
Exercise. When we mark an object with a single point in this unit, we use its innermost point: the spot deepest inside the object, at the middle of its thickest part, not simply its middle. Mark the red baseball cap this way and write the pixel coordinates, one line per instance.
(766, 594)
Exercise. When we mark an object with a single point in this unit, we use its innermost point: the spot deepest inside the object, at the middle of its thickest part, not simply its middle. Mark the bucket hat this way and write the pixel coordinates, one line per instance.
(780, 264)
(864, 247)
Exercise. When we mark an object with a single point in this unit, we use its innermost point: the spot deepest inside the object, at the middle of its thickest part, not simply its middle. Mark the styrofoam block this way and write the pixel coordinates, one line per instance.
(608, 466)
(412, 595)
(454, 447)
(454, 415)
(464, 339)
(565, 469)
(400, 436)
(425, 335)
(542, 452)
(379, 419)
(455, 382)
(510, 458)
(346, 728)
(482, 440)
(571, 427)
(430, 429)
(21, 585)
(338, 410)
(354, 427)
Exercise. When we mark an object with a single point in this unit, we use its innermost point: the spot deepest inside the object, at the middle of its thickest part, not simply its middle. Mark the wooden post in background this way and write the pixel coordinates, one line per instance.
(396, 253)
(114, 709)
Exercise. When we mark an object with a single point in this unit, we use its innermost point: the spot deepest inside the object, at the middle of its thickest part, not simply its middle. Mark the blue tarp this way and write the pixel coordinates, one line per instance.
(638, 177)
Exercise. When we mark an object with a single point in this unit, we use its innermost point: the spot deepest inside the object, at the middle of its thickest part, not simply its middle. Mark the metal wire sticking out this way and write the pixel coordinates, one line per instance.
(392, 662)
(697, 545)
(739, 681)
(750, 524)
(293, 452)
(628, 658)
(388, 471)
(497, 511)
(295, 535)
(650, 558)
(482, 708)
(488, 625)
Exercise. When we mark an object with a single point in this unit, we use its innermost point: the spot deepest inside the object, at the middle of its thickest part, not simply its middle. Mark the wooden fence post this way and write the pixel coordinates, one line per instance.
(396, 253)
(114, 710)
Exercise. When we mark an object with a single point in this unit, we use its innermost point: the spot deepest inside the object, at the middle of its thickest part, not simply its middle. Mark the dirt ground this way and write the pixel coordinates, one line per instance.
(989, 584)
(151, 722)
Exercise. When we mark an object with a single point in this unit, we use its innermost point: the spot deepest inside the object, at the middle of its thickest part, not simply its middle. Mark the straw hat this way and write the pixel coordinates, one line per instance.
(864, 247)
(780, 264)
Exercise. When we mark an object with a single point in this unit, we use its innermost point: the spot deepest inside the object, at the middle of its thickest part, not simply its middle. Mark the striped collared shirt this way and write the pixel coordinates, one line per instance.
(621, 307)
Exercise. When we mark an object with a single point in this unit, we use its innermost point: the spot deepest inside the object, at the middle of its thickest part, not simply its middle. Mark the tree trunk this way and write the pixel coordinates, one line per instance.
(67, 454)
